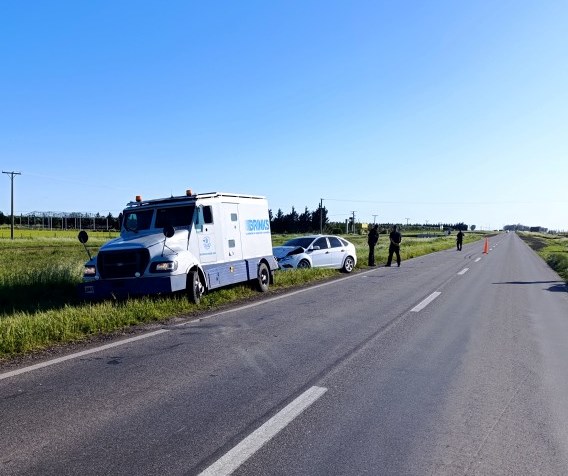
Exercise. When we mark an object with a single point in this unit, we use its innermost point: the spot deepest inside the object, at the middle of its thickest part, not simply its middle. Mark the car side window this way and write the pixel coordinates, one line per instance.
(322, 243)
(334, 242)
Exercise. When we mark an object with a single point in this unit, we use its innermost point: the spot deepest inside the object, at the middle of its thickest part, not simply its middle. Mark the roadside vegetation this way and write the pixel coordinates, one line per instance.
(551, 248)
(39, 272)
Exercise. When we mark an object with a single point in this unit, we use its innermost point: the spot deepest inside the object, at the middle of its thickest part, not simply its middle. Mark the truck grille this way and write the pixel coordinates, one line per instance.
(122, 264)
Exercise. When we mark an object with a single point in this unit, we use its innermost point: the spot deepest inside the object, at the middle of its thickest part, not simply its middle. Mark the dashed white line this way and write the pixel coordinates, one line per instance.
(463, 271)
(425, 302)
(13, 373)
(257, 439)
(478, 259)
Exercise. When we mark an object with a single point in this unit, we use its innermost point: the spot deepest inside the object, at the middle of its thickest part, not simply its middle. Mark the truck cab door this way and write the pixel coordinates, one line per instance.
(205, 231)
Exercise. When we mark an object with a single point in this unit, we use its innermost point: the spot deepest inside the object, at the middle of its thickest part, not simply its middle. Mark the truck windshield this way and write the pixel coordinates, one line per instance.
(174, 216)
(138, 220)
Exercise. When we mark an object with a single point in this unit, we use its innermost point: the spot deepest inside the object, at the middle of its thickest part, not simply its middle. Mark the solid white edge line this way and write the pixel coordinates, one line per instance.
(13, 373)
(258, 438)
(425, 302)
(463, 271)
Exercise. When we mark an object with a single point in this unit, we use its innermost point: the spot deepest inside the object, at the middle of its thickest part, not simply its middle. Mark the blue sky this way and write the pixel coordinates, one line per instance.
(402, 111)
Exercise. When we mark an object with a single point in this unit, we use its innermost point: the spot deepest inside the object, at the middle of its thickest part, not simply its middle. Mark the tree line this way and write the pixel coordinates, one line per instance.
(309, 221)
(67, 221)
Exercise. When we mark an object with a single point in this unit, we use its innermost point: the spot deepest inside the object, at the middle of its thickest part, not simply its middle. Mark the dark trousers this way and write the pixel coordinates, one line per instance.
(393, 249)
(459, 245)
(371, 255)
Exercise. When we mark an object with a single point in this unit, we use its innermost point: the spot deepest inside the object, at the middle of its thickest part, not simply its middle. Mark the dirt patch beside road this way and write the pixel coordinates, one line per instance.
(534, 242)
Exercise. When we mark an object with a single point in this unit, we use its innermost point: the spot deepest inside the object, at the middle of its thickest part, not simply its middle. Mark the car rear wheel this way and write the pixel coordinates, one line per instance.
(348, 264)
(304, 264)
(194, 287)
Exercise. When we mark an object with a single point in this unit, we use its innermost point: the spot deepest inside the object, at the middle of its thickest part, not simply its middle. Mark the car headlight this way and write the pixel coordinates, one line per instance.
(89, 270)
(164, 267)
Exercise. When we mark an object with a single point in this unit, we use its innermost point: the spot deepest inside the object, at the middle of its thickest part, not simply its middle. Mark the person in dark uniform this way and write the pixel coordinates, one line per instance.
(394, 247)
(372, 240)
(459, 240)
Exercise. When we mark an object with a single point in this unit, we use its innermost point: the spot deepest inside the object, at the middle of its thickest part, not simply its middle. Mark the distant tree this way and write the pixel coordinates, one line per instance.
(472, 227)
(113, 223)
(316, 219)
(277, 223)
(305, 222)
(291, 221)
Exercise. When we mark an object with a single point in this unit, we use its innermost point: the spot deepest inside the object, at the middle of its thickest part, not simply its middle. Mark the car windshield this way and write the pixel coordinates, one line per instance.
(303, 242)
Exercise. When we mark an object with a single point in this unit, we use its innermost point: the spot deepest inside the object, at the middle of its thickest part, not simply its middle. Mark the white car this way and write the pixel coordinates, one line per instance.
(316, 251)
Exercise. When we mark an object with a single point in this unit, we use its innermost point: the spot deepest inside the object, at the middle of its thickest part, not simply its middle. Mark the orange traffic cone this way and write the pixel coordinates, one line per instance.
(486, 247)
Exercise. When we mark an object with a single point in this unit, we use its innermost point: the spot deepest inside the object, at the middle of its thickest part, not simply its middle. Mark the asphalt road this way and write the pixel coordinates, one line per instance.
(453, 363)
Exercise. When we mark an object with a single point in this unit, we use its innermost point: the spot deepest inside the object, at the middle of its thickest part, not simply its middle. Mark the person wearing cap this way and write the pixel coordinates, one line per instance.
(394, 247)
(372, 240)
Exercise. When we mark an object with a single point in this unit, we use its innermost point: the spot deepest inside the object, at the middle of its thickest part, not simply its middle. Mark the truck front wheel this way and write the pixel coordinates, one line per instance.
(194, 287)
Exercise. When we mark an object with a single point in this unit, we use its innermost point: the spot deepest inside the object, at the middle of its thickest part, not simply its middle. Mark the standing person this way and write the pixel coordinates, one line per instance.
(394, 247)
(372, 240)
(459, 240)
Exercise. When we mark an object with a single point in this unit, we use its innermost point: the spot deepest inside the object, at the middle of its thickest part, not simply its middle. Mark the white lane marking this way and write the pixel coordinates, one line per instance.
(257, 439)
(13, 373)
(425, 302)
(478, 259)
(463, 271)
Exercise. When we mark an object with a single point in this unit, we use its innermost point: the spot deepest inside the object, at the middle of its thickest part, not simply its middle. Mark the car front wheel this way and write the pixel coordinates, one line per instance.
(348, 264)
(304, 264)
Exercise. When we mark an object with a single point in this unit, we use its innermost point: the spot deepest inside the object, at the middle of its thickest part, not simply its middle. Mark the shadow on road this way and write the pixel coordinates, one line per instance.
(557, 287)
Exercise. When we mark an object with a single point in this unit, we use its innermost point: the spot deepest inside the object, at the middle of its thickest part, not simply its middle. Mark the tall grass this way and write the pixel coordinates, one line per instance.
(552, 248)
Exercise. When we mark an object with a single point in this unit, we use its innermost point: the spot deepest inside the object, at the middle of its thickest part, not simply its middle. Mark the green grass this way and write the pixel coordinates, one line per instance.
(552, 248)
(45, 233)
(39, 307)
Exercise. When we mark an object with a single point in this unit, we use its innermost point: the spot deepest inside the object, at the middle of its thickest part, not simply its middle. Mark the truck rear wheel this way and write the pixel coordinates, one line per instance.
(263, 279)
(194, 287)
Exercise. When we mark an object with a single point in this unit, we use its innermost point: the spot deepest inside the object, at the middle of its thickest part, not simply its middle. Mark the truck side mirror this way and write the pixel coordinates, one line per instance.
(169, 231)
(83, 237)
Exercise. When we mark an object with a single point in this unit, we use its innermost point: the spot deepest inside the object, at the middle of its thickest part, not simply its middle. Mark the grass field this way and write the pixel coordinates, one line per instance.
(552, 248)
(39, 272)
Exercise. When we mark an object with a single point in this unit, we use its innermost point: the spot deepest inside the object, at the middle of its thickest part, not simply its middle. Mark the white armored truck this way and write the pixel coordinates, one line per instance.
(192, 243)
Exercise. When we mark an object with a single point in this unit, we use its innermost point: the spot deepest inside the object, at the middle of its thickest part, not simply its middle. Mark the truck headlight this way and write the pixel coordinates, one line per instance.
(164, 267)
(89, 270)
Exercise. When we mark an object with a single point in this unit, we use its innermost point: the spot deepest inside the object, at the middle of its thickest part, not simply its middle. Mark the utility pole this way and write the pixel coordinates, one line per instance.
(374, 219)
(353, 221)
(321, 216)
(12, 174)
(407, 221)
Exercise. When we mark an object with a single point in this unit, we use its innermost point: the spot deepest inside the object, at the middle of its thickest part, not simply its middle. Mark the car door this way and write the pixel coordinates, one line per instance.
(336, 252)
(321, 257)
